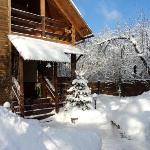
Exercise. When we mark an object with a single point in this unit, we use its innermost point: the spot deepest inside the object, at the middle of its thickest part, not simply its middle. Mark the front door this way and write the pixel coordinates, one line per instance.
(30, 79)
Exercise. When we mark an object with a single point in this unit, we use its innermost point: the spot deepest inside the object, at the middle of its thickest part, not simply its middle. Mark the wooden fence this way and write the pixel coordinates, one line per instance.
(128, 88)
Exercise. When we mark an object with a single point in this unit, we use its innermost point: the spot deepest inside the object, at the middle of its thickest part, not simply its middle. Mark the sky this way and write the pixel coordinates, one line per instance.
(100, 14)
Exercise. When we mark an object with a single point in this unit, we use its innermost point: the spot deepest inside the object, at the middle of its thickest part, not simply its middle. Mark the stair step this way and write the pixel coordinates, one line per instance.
(40, 108)
(38, 111)
(38, 101)
(40, 117)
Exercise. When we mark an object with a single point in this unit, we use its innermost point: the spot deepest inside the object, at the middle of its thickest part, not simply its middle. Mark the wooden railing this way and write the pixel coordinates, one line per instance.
(52, 93)
(36, 25)
(63, 85)
(50, 88)
(16, 93)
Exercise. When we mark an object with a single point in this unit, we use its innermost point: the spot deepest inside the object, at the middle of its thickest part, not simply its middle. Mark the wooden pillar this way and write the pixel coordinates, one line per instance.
(9, 15)
(73, 56)
(73, 35)
(73, 65)
(56, 88)
(42, 13)
(21, 103)
(42, 7)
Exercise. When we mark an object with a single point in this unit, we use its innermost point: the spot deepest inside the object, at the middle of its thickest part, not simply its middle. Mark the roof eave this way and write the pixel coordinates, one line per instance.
(76, 19)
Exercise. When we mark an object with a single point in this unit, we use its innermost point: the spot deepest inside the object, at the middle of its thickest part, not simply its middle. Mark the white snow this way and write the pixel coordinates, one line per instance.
(89, 129)
(20, 134)
(37, 49)
(132, 114)
(6, 105)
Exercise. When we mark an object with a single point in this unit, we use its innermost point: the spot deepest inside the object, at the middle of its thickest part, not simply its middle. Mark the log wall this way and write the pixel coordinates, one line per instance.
(4, 52)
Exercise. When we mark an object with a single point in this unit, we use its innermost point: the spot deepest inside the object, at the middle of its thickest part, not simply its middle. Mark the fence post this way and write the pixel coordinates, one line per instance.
(98, 87)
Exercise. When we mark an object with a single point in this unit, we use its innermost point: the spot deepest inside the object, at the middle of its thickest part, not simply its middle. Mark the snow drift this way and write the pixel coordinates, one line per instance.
(132, 114)
(17, 133)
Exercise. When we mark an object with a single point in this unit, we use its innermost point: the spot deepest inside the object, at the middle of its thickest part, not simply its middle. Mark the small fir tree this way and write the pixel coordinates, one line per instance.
(79, 94)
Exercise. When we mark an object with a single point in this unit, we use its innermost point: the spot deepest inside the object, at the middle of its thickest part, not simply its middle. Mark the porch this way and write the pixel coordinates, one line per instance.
(38, 82)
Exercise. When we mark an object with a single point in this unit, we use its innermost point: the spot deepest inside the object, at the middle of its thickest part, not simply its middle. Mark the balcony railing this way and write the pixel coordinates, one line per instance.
(36, 25)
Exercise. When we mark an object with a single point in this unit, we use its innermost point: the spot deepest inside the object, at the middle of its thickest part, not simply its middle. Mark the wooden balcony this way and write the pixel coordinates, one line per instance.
(35, 25)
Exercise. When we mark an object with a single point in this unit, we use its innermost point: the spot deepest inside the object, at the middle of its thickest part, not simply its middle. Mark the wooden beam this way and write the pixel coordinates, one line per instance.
(42, 13)
(56, 88)
(21, 103)
(34, 36)
(73, 65)
(9, 15)
(42, 7)
(73, 56)
(66, 7)
(73, 35)
(43, 26)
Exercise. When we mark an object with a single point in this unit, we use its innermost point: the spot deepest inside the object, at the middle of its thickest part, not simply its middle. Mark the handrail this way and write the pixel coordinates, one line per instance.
(16, 85)
(53, 93)
(49, 83)
(50, 92)
(50, 88)
(15, 93)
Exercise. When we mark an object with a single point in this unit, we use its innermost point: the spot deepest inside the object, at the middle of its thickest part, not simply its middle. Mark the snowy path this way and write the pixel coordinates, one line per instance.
(111, 136)
(111, 140)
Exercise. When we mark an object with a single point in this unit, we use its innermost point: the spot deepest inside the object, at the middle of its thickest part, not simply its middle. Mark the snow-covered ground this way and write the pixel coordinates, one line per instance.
(132, 115)
(20, 134)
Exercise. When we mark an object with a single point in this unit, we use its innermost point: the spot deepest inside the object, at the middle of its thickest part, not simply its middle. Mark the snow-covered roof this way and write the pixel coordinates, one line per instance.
(71, 49)
(79, 12)
(41, 50)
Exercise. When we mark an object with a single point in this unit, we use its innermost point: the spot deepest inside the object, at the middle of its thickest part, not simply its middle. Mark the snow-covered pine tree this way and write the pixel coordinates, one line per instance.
(79, 94)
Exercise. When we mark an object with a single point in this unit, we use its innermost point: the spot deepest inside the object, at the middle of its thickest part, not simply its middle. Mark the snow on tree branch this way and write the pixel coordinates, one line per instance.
(120, 53)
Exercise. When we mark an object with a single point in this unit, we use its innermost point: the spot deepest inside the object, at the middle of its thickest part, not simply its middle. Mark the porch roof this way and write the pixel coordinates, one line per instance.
(41, 50)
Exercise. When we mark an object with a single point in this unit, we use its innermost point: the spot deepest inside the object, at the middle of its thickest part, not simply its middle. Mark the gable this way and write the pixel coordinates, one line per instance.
(64, 11)
(67, 11)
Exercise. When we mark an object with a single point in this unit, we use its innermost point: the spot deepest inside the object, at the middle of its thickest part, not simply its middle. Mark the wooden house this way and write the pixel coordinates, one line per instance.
(37, 37)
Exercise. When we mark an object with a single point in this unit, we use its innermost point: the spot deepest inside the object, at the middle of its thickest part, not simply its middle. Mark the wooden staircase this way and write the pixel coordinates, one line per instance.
(40, 108)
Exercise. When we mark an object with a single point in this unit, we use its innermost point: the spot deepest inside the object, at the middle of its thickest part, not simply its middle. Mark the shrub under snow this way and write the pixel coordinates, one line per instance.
(79, 94)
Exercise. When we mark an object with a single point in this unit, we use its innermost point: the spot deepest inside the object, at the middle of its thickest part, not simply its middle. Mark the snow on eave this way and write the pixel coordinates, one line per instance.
(75, 6)
(38, 49)
(41, 50)
(80, 14)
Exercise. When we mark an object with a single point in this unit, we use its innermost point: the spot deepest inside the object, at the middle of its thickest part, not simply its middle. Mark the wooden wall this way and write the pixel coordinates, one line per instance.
(4, 52)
